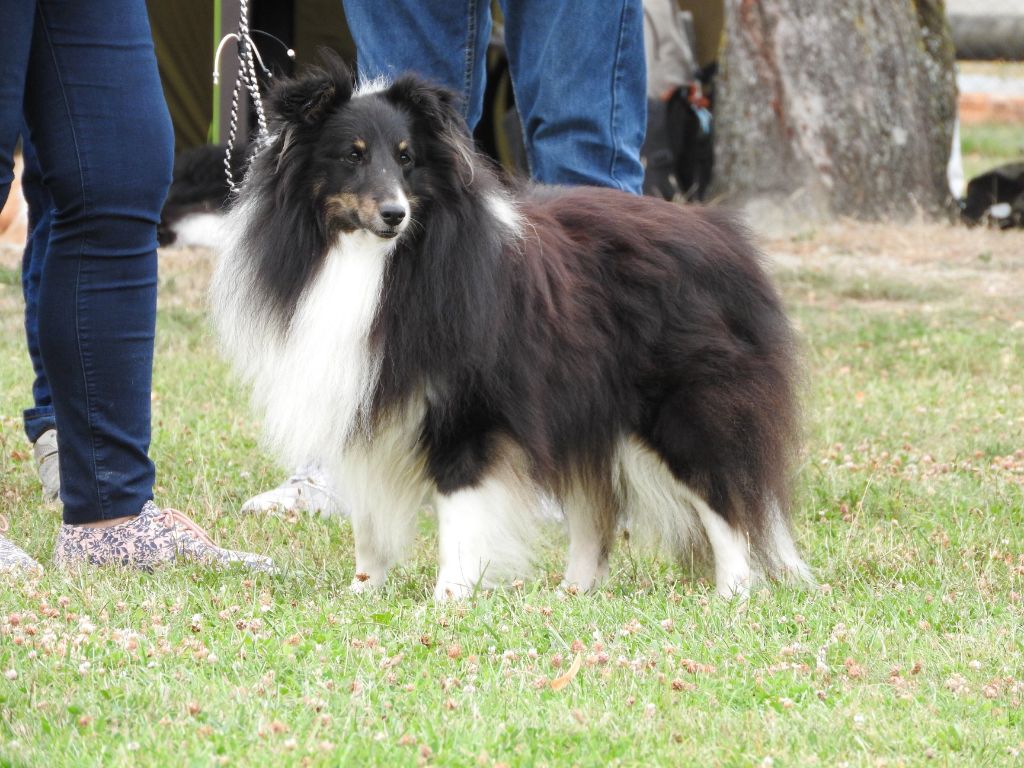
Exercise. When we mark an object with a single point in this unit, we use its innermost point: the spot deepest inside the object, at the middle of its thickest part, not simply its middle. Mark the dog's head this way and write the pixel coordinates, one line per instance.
(394, 163)
(370, 159)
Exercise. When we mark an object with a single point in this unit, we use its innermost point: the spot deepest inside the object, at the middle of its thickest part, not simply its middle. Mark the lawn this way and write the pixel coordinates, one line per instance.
(909, 507)
(988, 145)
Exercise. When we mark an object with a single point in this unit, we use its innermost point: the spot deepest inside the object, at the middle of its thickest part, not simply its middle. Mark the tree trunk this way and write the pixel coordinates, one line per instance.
(830, 109)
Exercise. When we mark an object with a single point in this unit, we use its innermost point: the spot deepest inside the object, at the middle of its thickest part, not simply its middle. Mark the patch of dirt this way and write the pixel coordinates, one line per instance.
(936, 263)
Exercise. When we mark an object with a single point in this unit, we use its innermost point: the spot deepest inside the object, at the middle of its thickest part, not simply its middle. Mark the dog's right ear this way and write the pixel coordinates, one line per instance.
(308, 98)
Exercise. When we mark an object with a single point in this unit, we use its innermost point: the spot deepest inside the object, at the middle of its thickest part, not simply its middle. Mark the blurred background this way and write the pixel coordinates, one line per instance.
(872, 109)
(989, 39)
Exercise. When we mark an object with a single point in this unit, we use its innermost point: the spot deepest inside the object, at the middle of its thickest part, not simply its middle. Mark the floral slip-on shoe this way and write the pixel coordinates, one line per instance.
(157, 536)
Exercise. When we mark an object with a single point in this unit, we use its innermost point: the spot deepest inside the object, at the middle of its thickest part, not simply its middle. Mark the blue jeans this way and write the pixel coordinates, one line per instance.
(83, 78)
(578, 73)
(39, 418)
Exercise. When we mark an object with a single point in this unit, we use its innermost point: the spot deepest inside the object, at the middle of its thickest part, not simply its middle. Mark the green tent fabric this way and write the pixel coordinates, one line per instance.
(321, 24)
(185, 33)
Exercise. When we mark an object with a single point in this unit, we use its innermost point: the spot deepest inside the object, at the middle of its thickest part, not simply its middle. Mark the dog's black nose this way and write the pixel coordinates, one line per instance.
(392, 213)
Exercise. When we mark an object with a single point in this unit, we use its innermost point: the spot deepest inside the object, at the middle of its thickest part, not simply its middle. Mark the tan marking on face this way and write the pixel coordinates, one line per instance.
(344, 202)
(403, 145)
(359, 144)
(352, 206)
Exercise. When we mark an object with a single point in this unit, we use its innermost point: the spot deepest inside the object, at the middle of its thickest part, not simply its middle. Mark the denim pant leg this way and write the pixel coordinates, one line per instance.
(98, 121)
(39, 418)
(579, 76)
(18, 18)
(442, 40)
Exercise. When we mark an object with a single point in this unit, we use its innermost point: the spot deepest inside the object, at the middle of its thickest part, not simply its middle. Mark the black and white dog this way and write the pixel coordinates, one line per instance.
(405, 318)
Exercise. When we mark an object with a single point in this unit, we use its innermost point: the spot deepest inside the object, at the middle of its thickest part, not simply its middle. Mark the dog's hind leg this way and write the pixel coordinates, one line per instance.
(485, 529)
(730, 549)
(787, 562)
(669, 513)
(591, 511)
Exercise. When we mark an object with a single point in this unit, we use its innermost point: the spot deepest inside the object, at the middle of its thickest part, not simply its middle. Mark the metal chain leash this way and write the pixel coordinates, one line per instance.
(248, 56)
(247, 65)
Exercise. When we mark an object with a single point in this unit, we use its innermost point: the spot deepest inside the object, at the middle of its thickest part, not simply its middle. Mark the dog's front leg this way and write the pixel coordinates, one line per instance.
(462, 544)
(373, 557)
(384, 526)
(485, 535)
(384, 497)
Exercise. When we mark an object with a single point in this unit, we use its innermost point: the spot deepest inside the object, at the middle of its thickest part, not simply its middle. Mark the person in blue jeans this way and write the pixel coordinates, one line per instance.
(577, 66)
(40, 423)
(580, 82)
(83, 78)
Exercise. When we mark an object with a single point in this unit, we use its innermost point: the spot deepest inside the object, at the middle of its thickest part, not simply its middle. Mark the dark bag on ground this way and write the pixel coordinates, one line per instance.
(996, 196)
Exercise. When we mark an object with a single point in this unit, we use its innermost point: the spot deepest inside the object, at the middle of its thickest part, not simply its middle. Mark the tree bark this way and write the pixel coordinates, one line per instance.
(836, 109)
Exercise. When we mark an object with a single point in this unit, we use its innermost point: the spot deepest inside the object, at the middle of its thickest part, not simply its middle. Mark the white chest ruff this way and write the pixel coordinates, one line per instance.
(314, 382)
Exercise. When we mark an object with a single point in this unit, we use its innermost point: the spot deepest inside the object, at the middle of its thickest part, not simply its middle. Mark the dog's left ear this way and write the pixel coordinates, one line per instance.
(438, 109)
(436, 106)
(308, 98)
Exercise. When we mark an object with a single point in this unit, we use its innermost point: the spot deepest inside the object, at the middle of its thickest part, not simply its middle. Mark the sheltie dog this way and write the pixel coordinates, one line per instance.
(418, 328)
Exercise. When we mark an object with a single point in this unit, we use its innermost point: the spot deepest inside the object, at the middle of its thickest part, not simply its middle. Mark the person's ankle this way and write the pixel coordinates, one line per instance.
(105, 523)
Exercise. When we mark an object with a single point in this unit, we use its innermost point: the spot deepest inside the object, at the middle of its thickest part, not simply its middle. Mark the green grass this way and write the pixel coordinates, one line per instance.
(909, 506)
(987, 145)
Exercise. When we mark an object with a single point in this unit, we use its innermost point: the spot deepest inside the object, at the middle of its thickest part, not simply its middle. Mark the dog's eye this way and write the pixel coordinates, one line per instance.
(354, 156)
(405, 158)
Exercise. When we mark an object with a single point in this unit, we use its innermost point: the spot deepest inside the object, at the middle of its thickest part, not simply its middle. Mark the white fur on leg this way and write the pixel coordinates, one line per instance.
(588, 564)
(659, 512)
(485, 532)
(383, 526)
(730, 549)
(792, 566)
(372, 557)
(383, 482)
(588, 554)
(665, 514)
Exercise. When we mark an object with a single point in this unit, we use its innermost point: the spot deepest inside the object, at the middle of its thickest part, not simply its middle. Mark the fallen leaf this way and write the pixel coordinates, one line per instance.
(563, 680)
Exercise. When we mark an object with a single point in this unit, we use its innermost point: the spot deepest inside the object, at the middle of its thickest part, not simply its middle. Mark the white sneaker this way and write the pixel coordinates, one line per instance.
(48, 464)
(12, 557)
(308, 490)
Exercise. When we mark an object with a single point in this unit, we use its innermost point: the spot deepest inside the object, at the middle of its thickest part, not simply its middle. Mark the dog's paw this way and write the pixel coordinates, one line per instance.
(448, 589)
(737, 590)
(363, 582)
(580, 578)
(572, 588)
